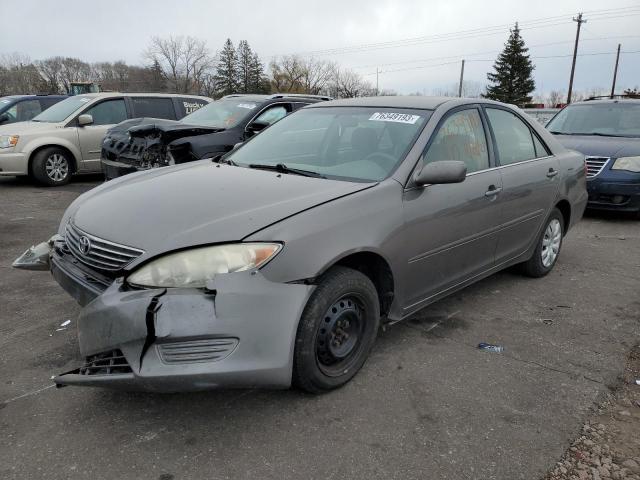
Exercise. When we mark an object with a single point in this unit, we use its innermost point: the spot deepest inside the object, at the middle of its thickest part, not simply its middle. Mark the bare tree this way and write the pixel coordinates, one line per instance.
(51, 71)
(18, 75)
(287, 74)
(555, 97)
(182, 60)
(315, 75)
(351, 84)
(74, 70)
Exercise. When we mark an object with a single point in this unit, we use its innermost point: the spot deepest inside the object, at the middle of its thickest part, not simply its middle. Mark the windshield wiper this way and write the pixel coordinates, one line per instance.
(598, 134)
(562, 133)
(282, 168)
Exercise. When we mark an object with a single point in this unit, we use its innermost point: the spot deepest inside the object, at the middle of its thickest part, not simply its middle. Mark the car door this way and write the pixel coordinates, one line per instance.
(451, 230)
(106, 114)
(529, 181)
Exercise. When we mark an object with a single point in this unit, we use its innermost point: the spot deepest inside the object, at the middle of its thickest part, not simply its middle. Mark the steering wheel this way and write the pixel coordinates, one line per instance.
(384, 160)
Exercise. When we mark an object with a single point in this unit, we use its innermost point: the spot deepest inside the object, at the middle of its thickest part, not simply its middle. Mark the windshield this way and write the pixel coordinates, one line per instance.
(614, 119)
(61, 110)
(361, 144)
(226, 113)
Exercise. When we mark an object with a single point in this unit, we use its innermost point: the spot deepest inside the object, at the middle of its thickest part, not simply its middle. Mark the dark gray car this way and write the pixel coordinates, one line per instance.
(278, 263)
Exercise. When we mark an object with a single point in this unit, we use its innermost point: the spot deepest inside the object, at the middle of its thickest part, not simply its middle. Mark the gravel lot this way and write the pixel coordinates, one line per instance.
(428, 404)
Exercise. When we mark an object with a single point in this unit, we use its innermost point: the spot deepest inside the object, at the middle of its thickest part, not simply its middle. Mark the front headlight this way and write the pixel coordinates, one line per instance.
(627, 163)
(193, 268)
(8, 141)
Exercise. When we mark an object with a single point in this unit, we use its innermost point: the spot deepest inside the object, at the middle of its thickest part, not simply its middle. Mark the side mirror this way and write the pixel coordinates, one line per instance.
(4, 118)
(84, 120)
(257, 126)
(445, 171)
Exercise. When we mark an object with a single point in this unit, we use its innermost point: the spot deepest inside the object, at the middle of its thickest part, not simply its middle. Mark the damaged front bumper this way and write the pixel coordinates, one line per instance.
(239, 332)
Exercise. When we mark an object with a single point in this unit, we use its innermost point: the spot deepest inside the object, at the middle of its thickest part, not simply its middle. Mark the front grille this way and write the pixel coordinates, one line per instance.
(99, 253)
(595, 165)
(107, 363)
(208, 350)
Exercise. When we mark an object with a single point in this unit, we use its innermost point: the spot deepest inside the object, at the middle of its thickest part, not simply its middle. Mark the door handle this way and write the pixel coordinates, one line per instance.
(493, 190)
(552, 173)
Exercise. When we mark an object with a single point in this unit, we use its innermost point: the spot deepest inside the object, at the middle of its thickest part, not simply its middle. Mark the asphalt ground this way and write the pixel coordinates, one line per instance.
(428, 404)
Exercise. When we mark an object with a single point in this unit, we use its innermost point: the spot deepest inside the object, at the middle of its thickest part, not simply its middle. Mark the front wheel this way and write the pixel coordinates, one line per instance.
(52, 166)
(336, 332)
(548, 247)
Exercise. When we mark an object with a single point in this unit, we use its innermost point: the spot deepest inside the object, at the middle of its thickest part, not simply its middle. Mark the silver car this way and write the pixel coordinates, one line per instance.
(67, 137)
(277, 264)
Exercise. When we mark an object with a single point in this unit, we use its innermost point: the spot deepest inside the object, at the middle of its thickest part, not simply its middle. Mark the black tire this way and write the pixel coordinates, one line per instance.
(52, 167)
(338, 327)
(537, 267)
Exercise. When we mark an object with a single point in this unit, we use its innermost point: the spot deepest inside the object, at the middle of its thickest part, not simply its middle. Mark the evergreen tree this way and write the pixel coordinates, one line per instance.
(512, 80)
(227, 70)
(157, 81)
(258, 79)
(245, 61)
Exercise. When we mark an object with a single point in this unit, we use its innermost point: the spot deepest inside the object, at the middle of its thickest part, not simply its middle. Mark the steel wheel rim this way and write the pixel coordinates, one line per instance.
(339, 335)
(551, 242)
(56, 167)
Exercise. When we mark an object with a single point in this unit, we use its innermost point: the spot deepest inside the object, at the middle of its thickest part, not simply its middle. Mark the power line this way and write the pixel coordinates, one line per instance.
(493, 60)
(473, 33)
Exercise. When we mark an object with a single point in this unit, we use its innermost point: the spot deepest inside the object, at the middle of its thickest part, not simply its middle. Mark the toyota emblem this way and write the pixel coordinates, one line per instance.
(84, 245)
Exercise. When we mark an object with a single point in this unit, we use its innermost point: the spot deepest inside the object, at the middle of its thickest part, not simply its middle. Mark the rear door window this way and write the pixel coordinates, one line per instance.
(153, 107)
(108, 112)
(189, 105)
(513, 137)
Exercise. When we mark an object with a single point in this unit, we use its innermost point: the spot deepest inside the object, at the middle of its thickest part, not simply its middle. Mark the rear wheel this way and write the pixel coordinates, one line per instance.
(336, 332)
(548, 247)
(52, 166)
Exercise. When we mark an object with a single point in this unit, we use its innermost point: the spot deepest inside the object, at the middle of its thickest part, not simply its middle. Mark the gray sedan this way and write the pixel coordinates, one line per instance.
(277, 264)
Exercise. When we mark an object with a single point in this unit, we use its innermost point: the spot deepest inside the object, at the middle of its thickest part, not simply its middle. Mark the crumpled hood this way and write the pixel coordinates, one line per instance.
(597, 146)
(196, 204)
(168, 129)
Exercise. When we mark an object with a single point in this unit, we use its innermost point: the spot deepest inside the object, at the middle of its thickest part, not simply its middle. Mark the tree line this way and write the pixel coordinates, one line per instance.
(185, 64)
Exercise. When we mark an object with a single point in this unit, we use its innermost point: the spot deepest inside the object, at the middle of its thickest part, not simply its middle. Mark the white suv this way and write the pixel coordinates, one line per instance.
(67, 137)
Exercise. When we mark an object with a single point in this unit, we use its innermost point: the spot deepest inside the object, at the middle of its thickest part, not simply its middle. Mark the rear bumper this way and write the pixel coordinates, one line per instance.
(618, 196)
(258, 318)
(14, 164)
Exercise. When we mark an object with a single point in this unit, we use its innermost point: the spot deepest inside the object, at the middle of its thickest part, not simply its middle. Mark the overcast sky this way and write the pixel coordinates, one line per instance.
(120, 29)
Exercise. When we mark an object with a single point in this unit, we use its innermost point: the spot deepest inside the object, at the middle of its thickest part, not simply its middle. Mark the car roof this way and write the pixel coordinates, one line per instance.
(600, 101)
(404, 101)
(293, 97)
(24, 97)
(136, 94)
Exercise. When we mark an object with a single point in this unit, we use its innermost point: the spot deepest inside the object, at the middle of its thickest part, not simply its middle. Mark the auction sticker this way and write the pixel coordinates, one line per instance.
(394, 117)
(250, 106)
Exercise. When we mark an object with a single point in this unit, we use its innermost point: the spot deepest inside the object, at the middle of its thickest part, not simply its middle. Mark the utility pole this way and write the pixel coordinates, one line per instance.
(580, 21)
(377, 90)
(615, 72)
(461, 79)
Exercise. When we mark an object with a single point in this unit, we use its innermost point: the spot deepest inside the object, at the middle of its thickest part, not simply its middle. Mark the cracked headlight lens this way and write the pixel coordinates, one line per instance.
(627, 163)
(8, 141)
(193, 268)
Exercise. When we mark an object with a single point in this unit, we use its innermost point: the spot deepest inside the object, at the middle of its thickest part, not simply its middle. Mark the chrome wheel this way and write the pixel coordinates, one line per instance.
(56, 167)
(551, 242)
